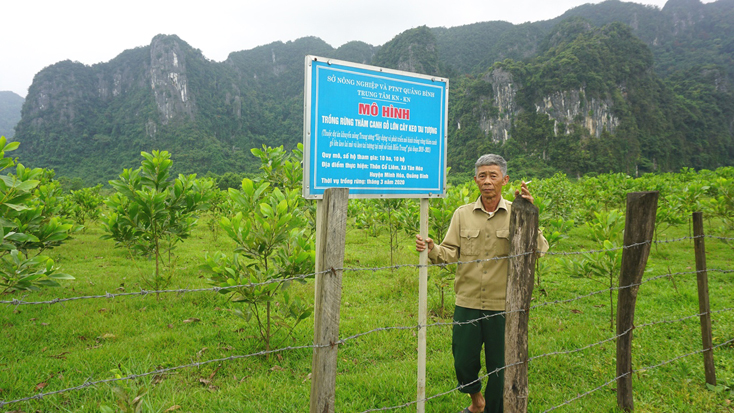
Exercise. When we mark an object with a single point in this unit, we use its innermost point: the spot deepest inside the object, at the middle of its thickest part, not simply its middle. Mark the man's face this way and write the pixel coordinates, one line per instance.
(489, 179)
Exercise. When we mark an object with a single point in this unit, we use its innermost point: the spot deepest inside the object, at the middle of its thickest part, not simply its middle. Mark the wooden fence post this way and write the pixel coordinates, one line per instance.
(638, 229)
(704, 308)
(331, 230)
(520, 278)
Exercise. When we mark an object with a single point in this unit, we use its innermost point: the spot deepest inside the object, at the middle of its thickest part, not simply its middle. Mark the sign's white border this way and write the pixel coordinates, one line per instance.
(379, 72)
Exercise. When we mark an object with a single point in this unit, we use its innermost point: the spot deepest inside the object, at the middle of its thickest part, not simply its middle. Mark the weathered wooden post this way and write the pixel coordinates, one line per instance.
(704, 308)
(523, 239)
(638, 231)
(331, 235)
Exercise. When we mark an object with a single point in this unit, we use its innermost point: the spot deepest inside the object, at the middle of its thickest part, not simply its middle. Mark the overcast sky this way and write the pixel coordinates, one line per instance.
(38, 33)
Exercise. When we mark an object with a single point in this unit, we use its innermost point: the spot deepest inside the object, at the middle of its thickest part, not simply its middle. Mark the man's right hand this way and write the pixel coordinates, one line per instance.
(421, 245)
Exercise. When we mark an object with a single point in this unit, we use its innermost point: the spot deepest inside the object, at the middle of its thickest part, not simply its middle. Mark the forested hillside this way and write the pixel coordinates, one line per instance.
(607, 87)
(591, 102)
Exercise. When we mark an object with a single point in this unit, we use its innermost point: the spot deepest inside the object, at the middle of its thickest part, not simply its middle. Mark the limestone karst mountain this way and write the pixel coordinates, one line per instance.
(650, 92)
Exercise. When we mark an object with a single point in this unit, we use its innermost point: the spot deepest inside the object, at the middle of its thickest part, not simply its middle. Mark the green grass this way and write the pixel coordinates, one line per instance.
(46, 348)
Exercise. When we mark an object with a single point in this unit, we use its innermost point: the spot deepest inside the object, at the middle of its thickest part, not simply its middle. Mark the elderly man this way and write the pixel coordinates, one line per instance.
(479, 232)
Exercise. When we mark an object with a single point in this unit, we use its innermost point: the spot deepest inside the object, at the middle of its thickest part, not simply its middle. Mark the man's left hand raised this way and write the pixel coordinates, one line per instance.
(524, 192)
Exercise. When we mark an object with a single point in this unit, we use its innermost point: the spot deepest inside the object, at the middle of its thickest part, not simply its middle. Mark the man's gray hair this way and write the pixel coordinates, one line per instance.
(491, 159)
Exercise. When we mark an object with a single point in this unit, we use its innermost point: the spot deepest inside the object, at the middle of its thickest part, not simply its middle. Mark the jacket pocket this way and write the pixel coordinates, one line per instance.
(503, 242)
(469, 241)
(504, 234)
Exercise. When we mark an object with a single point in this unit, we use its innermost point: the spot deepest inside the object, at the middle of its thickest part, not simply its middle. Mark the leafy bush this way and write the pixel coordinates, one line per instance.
(274, 243)
(27, 223)
(151, 213)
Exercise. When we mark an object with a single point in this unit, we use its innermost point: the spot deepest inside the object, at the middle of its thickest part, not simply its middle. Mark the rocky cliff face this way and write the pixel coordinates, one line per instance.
(122, 75)
(61, 98)
(572, 106)
(169, 80)
(563, 107)
(414, 50)
(410, 62)
(683, 14)
(504, 90)
(67, 88)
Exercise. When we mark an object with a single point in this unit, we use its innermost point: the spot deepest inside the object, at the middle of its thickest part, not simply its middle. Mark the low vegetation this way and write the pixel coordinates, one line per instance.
(51, 347)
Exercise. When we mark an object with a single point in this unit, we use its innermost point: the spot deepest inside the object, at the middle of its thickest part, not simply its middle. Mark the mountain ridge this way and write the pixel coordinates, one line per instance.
(167, 95)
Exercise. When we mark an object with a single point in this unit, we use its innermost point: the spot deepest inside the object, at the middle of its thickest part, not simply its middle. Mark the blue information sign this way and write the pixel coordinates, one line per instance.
(376, 131)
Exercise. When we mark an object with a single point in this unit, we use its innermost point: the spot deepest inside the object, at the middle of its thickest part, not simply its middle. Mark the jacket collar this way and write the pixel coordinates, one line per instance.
(503, 204)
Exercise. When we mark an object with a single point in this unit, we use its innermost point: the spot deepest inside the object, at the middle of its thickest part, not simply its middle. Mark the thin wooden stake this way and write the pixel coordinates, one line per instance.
(422, 310)
(704, 307)
(331, 228)
(520, 278)
(639, 229)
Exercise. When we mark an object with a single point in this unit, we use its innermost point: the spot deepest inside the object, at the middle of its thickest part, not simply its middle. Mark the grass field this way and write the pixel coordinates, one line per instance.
(45, 348)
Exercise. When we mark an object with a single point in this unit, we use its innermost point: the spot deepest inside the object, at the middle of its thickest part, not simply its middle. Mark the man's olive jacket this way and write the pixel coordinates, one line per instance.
(475, 234)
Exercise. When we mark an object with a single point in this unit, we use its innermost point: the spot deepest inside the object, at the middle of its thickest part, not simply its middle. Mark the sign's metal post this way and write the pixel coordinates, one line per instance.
(422, 310)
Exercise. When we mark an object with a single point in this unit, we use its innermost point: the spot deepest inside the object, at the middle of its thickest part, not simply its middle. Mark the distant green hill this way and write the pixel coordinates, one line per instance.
(611, 86)
(591, 102)
(10, 105)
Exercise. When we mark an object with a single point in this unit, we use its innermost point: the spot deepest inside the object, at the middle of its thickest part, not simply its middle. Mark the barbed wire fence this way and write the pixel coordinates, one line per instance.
(142, 293)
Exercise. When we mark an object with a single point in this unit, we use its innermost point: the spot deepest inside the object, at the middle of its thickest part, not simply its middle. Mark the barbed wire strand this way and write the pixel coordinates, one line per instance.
(438, 324)
(457, 388)
(343, 341)
(260, 353)
(546, 303)
(636, 371)
(564, 353)
(143, 292)
(17, 302)
(565, 301)
(473, 321)
(720, 238)
(649, 367)
(598, 343)
(636, 327)
(683, 356)
(582, 395)
(159, 371)
(399, 266)
(552, 354)
(196, 364)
